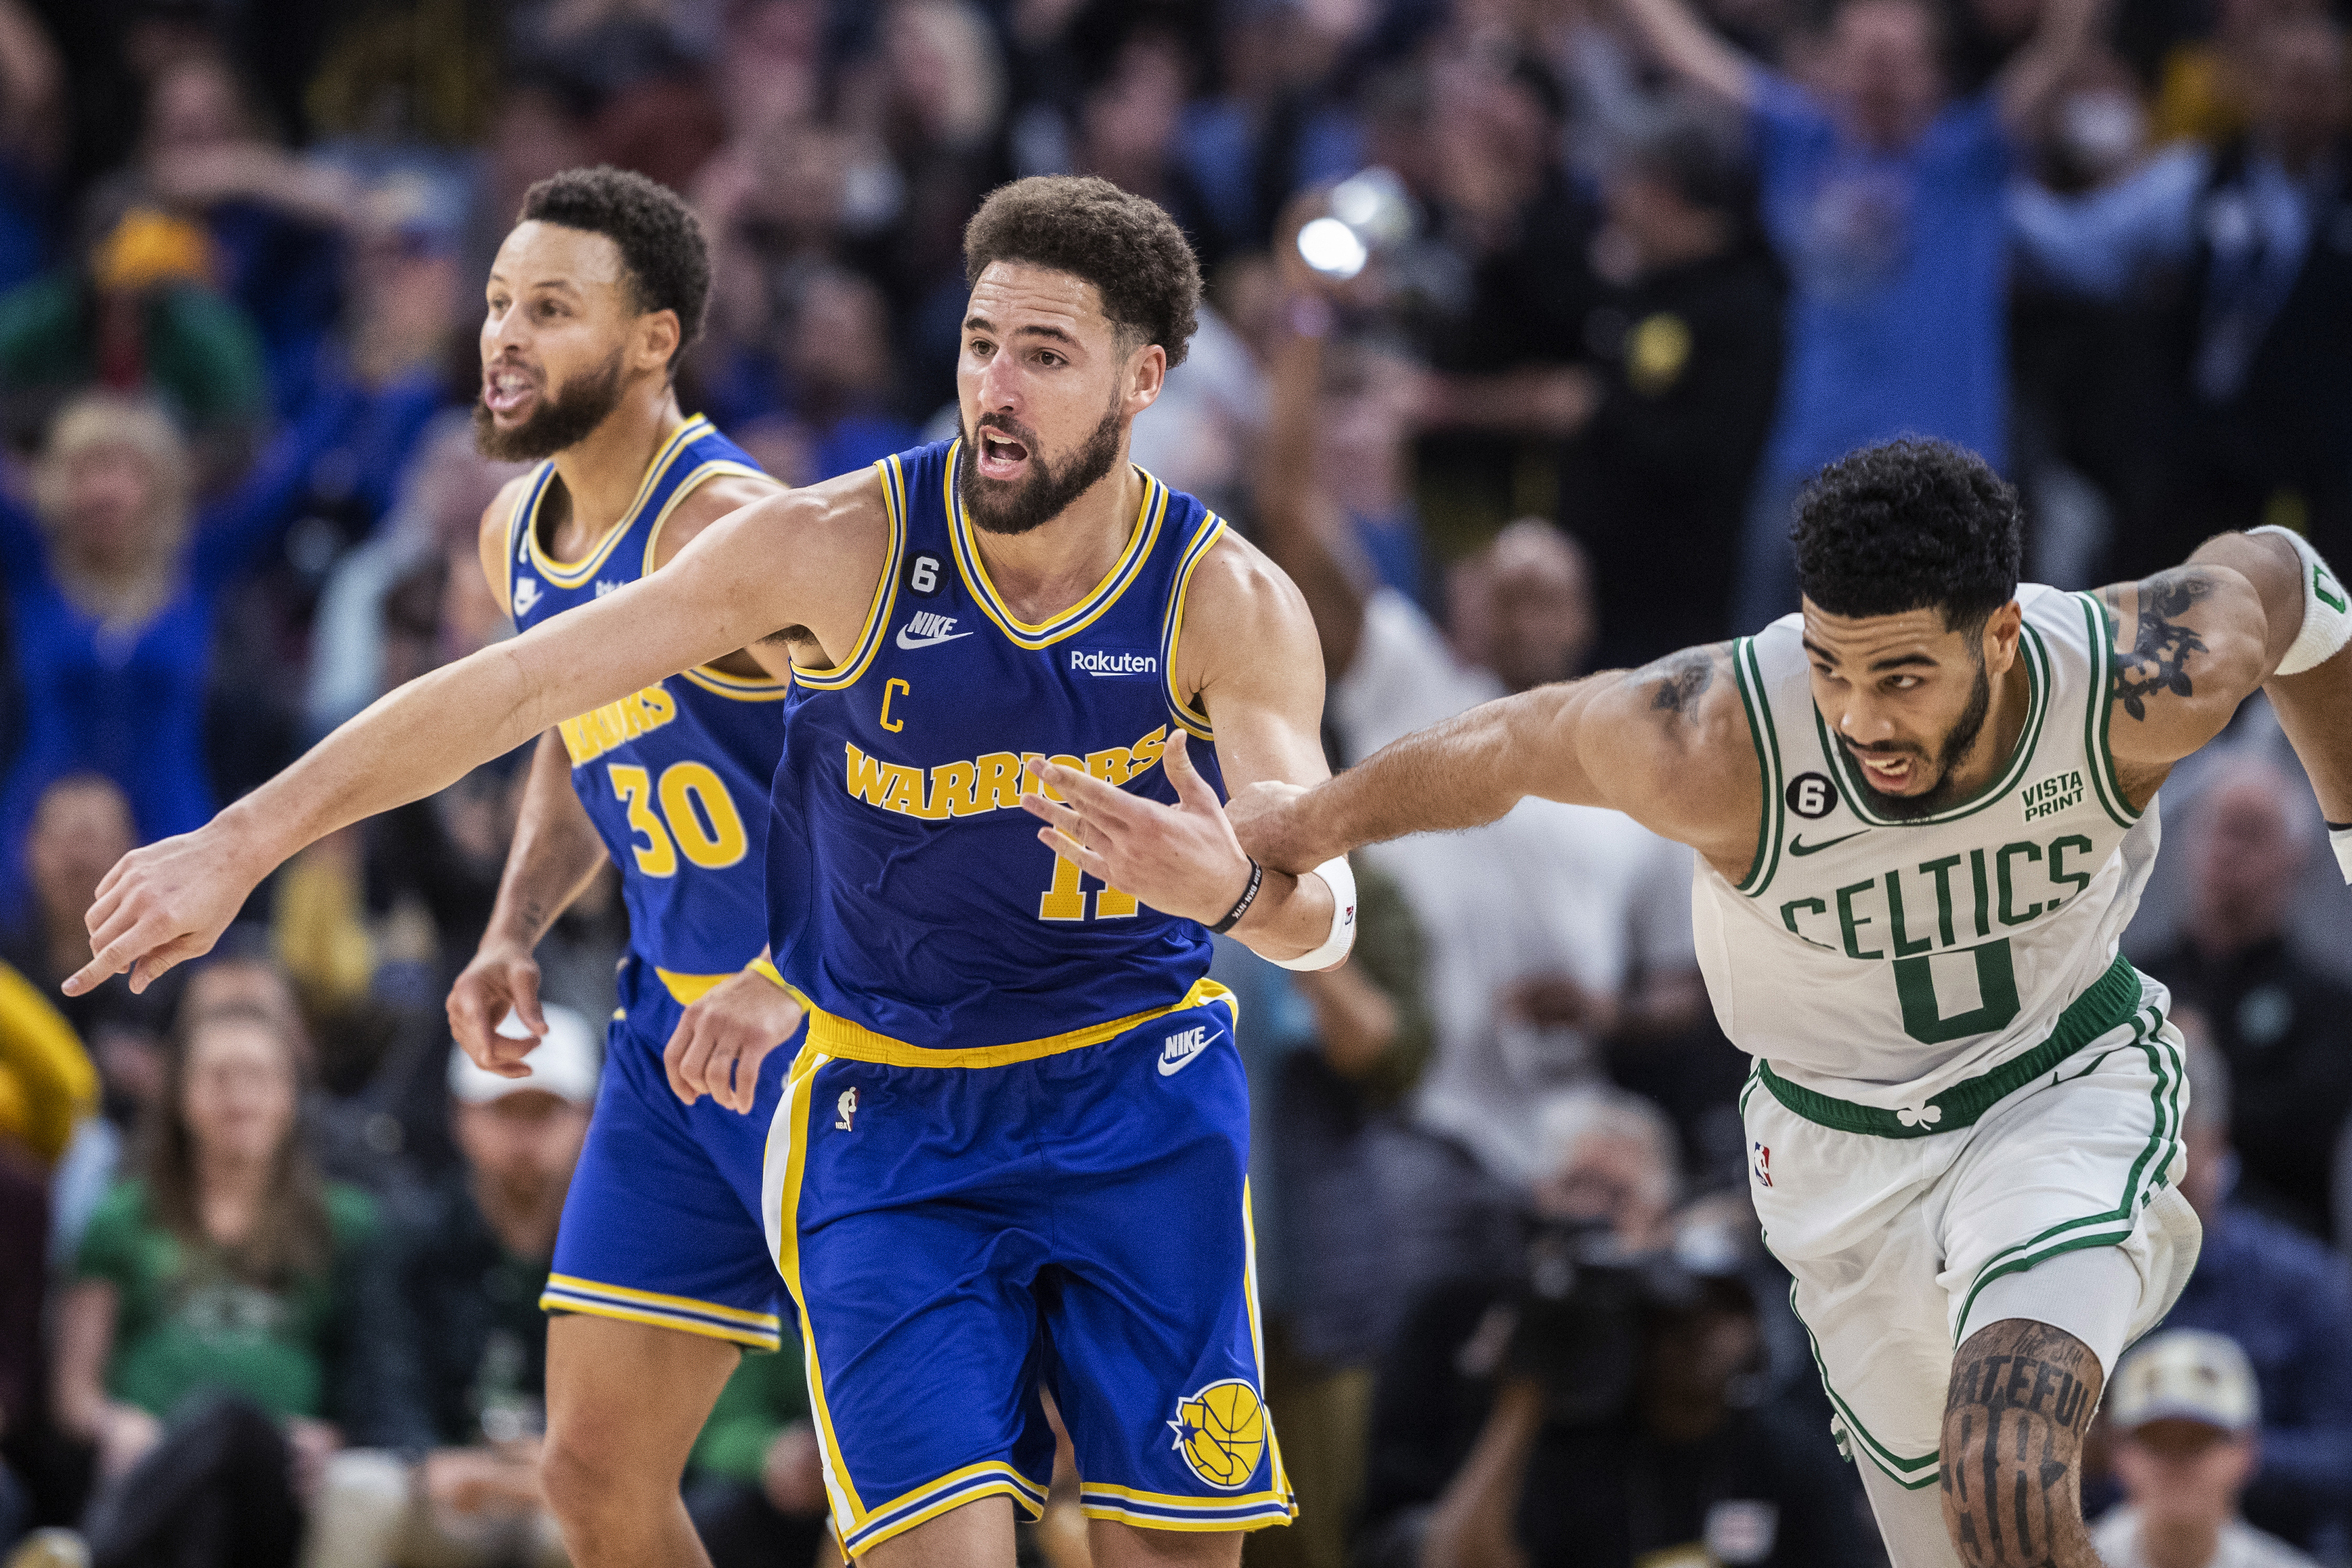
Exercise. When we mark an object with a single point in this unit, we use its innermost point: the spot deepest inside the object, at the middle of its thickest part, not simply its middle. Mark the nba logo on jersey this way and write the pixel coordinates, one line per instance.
(1763, 1165)
(846, 1106)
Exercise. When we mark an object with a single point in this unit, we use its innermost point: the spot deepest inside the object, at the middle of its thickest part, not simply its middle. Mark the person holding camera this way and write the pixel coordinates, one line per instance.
(1600, 1409)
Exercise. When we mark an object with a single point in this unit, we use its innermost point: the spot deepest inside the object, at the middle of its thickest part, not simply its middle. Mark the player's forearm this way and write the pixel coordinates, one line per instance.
(1291, 916)
(554, 855)
(1463, 772)
(2315, 708)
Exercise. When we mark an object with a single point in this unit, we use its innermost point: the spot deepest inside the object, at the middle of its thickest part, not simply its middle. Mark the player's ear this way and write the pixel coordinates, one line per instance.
(1146, 372)
(2001, 631)
(658, 337)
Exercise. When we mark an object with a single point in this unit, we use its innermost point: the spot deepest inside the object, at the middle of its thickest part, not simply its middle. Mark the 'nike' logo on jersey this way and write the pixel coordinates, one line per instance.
(1180, 1049)
(1798, 845)
(927, 629)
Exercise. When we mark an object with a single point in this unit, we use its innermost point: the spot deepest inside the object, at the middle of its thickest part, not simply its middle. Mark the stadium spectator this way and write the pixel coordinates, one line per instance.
(134, 313)
(472, 1268)
(1585, 1413)
(48, 1086)
(755, 1483)
(32, 140)
(114, 599)
(1330, 1057)
(227, 1328)
(2284, 1024)
(2243, 244)
(2286, 1300)
(2186, 1413)
(1689, 355)
(1885, 201)
(24, 1282)
(81, 825)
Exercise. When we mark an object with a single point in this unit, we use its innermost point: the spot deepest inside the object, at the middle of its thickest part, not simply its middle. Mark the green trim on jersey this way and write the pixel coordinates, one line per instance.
(2108, 1003)
(2099, 711)
(1851, 790)
(1750, 678)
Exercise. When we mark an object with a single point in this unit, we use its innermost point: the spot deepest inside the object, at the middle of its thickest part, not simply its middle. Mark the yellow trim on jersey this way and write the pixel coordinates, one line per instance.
(839, 1036)
(717, 468)
(788, 1153)
(572, 574)
(1086, 611)
(885, 591)
(1274, 1476)
(737, 687)
(1204, 539)
(691, 988)
(1276, 1508)
(569, 1293)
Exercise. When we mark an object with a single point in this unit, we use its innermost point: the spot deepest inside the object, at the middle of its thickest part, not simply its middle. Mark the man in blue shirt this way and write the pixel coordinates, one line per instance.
(2287, 1300)
(1883, 199)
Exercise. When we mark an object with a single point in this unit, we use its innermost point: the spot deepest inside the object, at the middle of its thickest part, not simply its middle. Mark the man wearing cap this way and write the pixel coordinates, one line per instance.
(2185, 1413)
(470, 1277)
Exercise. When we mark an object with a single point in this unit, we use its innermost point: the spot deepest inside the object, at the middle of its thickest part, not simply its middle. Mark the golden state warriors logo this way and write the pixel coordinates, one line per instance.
(1221, 1432)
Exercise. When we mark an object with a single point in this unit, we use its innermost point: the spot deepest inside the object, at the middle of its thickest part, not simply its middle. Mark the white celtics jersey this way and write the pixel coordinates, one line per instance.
(1882, 961)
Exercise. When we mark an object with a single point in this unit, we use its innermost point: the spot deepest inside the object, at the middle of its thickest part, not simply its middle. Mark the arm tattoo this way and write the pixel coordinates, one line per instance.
(2157, 660)
(1680, 681)
(2023, 1395)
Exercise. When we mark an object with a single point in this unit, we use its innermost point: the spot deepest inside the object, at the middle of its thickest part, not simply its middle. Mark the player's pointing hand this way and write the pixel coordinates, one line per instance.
(1181, 859)
(166, 904)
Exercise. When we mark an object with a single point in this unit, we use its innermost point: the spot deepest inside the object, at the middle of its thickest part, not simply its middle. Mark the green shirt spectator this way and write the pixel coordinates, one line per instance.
(62, 333)
(186, 1323)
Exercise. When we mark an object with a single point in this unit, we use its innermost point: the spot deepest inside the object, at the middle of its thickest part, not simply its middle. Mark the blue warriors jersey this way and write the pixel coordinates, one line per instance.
(675, 776)
(909, 896)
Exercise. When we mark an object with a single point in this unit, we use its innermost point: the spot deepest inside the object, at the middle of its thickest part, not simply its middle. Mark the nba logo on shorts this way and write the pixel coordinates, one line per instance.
(1763, 1165)
(1221, 1432)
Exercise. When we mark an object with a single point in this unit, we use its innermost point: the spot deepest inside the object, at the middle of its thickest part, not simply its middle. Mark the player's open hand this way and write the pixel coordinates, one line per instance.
(502, 979)
(163, 905)
(725, 1036)
(1181, 859)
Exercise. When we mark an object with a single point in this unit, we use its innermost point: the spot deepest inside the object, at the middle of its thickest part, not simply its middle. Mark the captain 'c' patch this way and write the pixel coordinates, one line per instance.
(1221, 1432)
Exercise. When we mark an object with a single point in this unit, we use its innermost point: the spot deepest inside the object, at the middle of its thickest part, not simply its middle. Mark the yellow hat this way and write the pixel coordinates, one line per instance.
(147, 247)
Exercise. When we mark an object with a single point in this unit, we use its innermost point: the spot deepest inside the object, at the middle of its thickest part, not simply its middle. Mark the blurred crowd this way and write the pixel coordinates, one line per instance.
(1530, 398)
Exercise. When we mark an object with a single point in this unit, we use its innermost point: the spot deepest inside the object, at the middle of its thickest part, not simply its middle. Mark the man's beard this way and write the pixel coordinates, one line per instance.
(995, 507)
(562, 421)
(1907, 807)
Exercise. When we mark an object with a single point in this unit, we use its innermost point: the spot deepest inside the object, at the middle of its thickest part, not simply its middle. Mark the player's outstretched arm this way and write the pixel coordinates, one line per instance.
(798, 560)
(1667, 744)
(2192, 643)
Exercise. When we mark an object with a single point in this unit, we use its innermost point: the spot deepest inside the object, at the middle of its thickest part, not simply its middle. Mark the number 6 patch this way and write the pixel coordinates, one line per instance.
(923, 575)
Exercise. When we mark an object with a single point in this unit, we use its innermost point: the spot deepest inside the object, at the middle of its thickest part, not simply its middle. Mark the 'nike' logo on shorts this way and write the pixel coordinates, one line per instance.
(1180, 1049)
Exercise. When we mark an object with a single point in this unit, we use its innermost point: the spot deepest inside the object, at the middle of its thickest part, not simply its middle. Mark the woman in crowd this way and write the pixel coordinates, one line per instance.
(114, 593)
(226, 1331)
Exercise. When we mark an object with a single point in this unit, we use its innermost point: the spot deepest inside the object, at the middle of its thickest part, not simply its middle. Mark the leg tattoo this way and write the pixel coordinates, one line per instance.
(2023, 1395)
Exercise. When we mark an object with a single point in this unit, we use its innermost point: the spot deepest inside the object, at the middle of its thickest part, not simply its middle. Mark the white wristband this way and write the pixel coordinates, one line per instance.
(2341, 839)
(1343, 883)
(2326, 608)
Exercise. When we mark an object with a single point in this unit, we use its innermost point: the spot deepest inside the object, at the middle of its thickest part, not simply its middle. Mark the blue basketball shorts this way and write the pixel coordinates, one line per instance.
(661, 1224)
(1077, 1218)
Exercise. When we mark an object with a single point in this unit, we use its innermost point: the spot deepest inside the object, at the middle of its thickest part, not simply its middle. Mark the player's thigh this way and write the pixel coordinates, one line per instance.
(1150, 1313)
(661, 1225)
(2085, 1165)
(976, 1535)
(1115, 1545)
(1848, 1214)
(625, 1400)
(908, 1216)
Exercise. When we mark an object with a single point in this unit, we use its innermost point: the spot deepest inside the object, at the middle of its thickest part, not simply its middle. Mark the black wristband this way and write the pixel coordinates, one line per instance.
(1241, 905)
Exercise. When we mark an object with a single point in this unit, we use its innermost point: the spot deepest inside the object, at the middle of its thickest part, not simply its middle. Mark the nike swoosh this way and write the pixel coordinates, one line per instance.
(1170, 1070)
(1799, 847)
(906, 642)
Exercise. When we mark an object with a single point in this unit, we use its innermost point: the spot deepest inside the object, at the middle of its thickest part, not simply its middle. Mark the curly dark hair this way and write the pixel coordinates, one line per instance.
(665, 261)
(1909, 525)
(1125, 245)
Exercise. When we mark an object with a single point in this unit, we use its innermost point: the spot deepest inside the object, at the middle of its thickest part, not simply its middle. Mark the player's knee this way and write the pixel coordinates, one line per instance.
(588, 1480)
